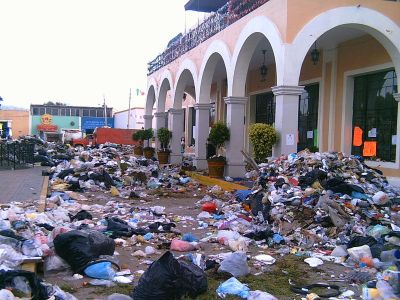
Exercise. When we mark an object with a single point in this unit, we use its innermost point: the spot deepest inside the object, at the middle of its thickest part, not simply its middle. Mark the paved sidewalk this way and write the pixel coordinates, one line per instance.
(21, 185)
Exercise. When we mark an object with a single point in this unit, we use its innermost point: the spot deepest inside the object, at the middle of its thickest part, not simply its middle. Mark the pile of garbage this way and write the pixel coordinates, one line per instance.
(321, 207)
(331, 208)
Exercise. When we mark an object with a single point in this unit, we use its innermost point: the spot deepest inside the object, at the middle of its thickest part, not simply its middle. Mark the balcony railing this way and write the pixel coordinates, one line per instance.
(232, 11)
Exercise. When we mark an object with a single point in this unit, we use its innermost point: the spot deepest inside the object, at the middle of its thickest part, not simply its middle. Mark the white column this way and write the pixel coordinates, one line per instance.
(148, 122)
(160, 123)
(177, 133)
(202, 131)
(235, 122)
(286, 118)
(396, 97)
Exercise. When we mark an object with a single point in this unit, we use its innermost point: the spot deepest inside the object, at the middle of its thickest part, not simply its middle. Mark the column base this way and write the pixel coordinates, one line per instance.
(235, 170)
(200, 163)
(176, 159)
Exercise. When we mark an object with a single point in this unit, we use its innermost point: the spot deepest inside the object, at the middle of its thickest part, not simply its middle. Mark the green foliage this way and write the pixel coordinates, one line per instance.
(263, 137)
(148, 134)
(138, 135)
(164, 136)
(219, 134)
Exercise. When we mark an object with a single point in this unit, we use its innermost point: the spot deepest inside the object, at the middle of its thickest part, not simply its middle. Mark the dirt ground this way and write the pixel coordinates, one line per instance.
(273, 279)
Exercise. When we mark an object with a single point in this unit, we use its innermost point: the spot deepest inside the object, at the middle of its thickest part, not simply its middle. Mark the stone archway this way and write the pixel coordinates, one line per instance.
(217, 54)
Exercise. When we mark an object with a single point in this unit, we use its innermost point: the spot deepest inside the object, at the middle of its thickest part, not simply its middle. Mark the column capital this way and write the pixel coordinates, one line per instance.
(236, 100)
(176, 111)
(160, 114)
(148, 117)
(203, 106)
(287, 90)
(396, 97)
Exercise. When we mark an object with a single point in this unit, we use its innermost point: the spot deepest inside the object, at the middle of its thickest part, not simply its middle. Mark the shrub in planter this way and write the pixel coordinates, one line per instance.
(219, 134)
(263, 137)
(164, 136)
(148, 150)
(138, 136)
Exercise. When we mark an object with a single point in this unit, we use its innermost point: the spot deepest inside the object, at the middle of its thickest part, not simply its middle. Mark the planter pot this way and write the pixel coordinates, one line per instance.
(216, 169)
(163, 157)
(148, 152)
(138, 150)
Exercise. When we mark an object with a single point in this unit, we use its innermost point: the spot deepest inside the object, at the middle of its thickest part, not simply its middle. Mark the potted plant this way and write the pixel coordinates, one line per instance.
(263, 137)
(219, 134)
(138, 136)
(164, 136)
(148, 151)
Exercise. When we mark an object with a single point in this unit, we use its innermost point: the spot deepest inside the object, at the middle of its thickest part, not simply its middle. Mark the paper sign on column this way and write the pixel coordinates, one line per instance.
(372, 133)
(394, 139)
(310, 134)
(290, 139)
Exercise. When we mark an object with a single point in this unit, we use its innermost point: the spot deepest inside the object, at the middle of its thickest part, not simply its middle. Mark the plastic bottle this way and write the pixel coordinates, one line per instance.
(390, 255)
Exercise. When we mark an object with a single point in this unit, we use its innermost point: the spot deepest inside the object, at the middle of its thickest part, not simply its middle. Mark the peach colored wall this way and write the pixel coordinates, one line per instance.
(297, 13)
(20, 121)
(355, 54)
(300, 12)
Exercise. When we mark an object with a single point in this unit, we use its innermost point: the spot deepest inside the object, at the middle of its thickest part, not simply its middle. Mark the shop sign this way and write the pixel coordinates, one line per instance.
(47, 124)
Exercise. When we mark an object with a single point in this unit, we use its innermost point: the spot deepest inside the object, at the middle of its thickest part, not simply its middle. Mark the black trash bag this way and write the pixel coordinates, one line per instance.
(108, 181)
(170, 279)
(312, 176)
(338, 185)
(65, 173)
(39, 291)
(79, 248)
(11, 234)
(118, 227)
(256, 205)
(82, 215)
(166, 227)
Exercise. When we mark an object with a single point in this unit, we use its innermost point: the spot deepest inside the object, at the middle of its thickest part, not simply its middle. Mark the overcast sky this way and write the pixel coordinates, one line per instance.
(74, 51)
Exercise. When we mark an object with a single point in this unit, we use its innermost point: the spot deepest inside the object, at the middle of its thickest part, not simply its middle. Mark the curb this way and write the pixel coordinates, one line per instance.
(43, 194)
(206, 180)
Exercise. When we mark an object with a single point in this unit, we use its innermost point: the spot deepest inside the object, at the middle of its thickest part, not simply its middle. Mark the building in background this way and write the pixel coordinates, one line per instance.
(14, 122)
(136, 120)
(49, 121)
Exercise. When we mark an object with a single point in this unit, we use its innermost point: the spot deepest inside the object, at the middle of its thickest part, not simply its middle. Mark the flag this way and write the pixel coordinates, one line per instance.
(139, 92)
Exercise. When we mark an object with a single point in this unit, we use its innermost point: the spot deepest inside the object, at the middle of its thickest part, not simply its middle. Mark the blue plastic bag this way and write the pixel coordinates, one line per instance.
(233, 287)
(101, 270)
(189, 237)
(242, 195)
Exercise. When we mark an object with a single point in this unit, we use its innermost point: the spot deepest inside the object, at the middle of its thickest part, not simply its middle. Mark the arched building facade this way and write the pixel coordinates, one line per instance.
(331, 81)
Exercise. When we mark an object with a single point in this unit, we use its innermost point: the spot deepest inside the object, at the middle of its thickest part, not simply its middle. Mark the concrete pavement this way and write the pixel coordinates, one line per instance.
(21, 185)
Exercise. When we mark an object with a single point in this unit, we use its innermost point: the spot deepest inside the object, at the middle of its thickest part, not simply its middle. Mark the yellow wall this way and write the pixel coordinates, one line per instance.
(20, 121)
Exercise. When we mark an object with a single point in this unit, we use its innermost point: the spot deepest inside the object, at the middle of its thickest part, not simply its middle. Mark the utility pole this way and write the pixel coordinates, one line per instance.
(129, 110)
(105, 110)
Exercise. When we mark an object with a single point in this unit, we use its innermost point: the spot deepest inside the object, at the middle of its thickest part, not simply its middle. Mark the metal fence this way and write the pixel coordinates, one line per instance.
(232, 11)
(16, 154)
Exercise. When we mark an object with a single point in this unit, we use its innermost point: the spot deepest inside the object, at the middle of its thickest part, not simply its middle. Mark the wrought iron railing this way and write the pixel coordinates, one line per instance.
(16, 154)
(232, 11)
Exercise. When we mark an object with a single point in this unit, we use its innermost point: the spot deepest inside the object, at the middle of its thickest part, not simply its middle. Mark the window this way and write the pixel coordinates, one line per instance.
(62, 112)
(265, 108)
(92, 113)
(35, 111)
(100, 113)
(67, 112)
(108, 113)
(74, 112)
(308, 117)
(42, 111)
(375, 113)
(85, 113)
